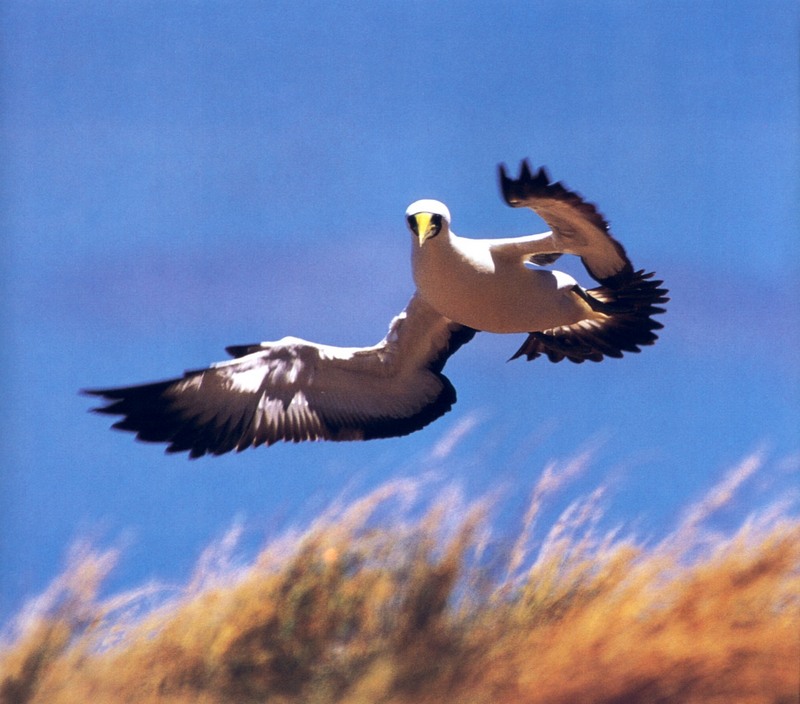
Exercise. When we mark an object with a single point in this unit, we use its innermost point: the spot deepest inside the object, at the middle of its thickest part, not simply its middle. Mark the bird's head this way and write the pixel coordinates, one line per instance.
(427, 218)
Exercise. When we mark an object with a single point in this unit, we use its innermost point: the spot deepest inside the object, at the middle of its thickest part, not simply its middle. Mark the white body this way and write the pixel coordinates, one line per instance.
(485, 284)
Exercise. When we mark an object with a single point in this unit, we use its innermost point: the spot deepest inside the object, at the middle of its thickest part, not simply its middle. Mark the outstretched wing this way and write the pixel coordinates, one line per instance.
(295, 390)
(577, 226)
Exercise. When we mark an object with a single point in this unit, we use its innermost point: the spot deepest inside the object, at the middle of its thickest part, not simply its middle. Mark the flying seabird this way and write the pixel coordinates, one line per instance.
(296, 390)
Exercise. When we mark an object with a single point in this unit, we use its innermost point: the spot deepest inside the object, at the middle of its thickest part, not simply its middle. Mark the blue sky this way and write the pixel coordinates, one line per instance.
(181, 176)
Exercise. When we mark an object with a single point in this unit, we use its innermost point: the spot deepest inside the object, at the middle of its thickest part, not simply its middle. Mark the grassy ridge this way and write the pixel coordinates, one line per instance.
(365, 608)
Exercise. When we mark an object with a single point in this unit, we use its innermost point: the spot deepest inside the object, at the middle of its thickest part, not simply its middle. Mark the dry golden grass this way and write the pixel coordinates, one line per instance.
(368, 609)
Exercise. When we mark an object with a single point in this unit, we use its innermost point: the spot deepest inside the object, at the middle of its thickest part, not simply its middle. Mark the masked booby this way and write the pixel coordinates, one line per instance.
(296, 390)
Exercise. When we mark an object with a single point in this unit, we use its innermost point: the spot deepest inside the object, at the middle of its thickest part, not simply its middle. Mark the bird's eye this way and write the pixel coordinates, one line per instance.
(412, 224)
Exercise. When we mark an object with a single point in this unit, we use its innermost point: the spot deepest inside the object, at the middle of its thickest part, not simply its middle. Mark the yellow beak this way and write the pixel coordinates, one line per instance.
(424, 229)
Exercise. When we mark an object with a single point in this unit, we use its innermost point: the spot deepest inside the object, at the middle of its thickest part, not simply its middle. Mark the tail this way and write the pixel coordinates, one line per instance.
(624, 323)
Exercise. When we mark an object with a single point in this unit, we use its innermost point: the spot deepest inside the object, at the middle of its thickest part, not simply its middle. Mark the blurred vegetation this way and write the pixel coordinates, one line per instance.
(373, 605)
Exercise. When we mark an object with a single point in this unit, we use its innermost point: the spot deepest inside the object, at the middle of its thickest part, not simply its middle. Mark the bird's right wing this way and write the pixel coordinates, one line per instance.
(295, 390)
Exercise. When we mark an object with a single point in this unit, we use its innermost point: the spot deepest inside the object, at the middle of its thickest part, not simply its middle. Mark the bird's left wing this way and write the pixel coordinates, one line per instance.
(577, 226)
(295, 390)
(625, 303)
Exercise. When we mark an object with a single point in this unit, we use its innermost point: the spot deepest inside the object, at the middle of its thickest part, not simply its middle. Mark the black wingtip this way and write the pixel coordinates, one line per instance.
(504, 183)
(529, 182)
(237, 351)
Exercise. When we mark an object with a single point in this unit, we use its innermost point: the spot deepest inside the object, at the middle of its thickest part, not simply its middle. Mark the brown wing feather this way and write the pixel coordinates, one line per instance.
(293, 390)
(575, 223)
